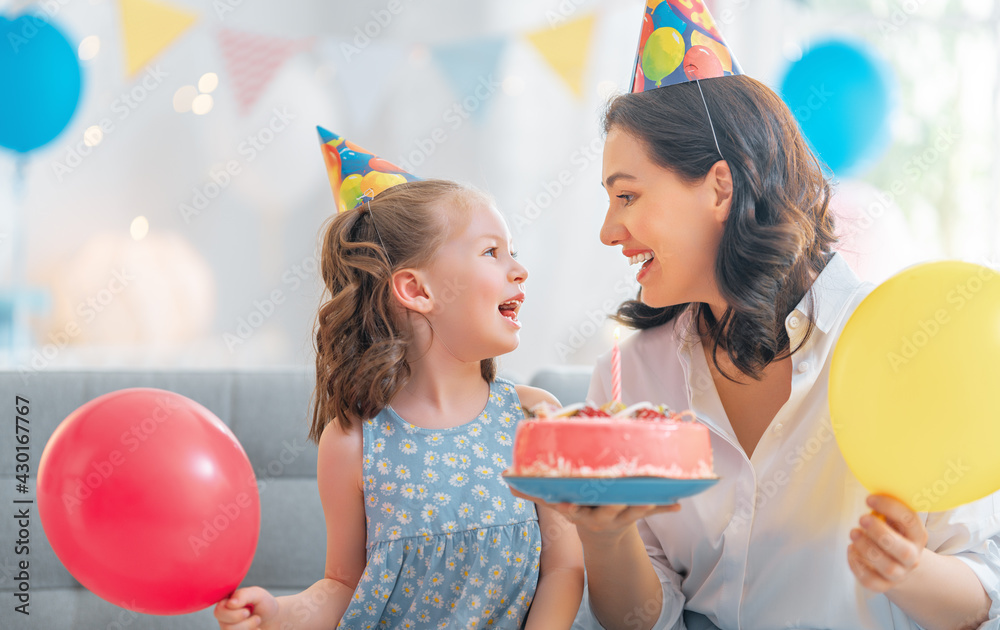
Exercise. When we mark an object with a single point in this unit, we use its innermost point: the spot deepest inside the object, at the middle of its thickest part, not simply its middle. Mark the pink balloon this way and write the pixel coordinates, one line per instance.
(640, 79)
(702, 63)
(149, 501)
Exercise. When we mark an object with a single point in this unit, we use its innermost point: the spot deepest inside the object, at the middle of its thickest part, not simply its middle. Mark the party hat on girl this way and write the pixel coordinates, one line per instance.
(679, 43)
(356, 173)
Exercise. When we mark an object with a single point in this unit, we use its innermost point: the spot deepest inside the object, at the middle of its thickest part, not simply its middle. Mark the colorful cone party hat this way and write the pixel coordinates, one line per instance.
(679, 43)
(355, 173)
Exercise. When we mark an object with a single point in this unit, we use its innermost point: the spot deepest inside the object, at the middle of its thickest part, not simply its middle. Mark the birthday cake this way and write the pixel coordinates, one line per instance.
(583, 440)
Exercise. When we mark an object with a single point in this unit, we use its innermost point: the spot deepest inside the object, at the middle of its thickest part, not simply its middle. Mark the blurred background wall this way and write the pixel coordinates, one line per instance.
(175, 220)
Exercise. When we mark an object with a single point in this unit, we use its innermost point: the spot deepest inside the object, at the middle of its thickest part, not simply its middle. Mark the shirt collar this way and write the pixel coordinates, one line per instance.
(832, 293)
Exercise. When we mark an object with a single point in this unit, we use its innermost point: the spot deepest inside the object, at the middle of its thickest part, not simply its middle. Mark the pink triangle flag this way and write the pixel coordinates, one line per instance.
(253, 60)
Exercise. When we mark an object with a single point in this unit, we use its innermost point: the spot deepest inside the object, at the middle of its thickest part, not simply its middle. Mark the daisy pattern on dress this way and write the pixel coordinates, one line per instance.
(422, 522)
(481, 492)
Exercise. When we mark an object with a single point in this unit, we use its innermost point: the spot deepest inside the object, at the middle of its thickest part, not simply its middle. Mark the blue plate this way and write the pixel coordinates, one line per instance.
(605, 491)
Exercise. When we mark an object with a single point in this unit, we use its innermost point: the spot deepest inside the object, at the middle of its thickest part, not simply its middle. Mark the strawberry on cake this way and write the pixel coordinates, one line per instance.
(613, 441)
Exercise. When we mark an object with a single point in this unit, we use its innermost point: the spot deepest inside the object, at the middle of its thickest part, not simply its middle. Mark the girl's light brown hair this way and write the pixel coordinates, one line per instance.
(361, 332)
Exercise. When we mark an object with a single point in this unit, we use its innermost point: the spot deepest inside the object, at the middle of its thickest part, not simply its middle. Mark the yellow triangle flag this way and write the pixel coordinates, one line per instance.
(566, 48)
(149, 28)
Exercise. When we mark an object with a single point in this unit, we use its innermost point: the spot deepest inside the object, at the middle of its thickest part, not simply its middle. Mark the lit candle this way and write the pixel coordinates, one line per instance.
(616, 368)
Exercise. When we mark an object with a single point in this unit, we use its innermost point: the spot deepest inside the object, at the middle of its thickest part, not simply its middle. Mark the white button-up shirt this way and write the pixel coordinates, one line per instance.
(766, 547)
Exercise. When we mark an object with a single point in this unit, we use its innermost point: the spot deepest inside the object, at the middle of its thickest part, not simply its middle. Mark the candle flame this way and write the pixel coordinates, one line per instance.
(618, 332)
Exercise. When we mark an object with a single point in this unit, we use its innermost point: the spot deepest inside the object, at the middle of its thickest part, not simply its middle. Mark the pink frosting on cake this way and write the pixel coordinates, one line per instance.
(587, 446)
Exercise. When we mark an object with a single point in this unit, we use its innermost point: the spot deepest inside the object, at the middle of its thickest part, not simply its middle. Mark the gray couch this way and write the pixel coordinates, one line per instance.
(267, 410)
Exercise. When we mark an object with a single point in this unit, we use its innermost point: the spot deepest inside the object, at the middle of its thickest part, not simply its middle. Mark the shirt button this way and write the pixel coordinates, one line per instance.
(803, 367)
(777, 427)
(793, 322)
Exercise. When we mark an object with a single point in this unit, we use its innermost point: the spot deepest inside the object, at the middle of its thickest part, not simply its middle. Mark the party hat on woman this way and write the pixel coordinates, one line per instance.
(356, 173)
(679, 43)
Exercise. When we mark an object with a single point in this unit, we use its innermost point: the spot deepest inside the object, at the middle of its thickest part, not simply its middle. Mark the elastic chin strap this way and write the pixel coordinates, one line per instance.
(707, 113)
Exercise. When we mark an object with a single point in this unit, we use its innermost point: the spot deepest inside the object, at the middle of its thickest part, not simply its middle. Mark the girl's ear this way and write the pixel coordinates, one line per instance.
(721, 179)
(411, 291)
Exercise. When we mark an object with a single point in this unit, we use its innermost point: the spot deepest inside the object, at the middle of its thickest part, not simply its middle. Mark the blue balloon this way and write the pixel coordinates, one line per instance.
(664, 17)
(842, 94)
(39, 80)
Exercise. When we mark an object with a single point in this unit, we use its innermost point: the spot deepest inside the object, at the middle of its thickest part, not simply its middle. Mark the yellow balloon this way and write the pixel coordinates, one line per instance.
(915, 386)
(377, 182)
(350, 191)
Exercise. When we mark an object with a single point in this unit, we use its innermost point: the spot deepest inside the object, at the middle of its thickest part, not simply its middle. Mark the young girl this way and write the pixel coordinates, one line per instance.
(414, 431)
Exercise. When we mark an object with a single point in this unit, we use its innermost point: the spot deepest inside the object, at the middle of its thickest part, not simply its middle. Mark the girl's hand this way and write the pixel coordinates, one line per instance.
(601, 521)
(247, 608)
(888, 545)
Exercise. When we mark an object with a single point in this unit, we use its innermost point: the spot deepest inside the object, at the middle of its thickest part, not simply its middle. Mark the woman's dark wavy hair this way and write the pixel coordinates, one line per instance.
(361, 333)
(779, 227)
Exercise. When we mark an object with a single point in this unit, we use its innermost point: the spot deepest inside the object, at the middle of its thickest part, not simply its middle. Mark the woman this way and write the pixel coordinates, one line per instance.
(740, 306)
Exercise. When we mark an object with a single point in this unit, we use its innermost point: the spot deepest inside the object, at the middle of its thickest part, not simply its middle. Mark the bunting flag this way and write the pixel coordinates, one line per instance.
(149, 28)
(365, 74)
(254, 60)
(468, 65)
(567, 47)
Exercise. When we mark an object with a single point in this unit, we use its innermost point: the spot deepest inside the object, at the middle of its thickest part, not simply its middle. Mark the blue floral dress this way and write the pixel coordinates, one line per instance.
(448, 545)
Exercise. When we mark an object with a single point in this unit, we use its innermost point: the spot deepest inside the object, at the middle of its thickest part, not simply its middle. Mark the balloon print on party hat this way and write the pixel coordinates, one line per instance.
(679, 43)
(355, 172)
